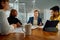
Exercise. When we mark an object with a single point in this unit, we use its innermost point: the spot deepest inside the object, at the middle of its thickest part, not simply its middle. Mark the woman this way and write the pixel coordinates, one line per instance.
(55, 15)
(35, 20)
(13, 20)
(5, 28)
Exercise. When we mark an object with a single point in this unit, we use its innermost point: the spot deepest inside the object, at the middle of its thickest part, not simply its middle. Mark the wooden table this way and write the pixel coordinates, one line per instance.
(37, 34)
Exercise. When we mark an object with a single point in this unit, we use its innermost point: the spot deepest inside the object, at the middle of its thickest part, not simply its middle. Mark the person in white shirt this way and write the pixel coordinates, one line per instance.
(5, 28)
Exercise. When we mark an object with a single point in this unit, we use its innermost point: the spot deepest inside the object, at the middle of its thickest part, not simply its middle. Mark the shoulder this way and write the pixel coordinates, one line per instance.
(59, 18)
(9, 18)
(51, 18)
(17, 19)
(1, 12)
(31, 17)
(39, 18)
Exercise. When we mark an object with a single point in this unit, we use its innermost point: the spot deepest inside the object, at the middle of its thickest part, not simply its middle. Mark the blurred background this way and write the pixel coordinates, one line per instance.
(26, 8)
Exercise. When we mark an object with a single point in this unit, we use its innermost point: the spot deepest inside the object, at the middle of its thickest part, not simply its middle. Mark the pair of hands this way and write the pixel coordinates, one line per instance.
(16, 25)
(40, 24)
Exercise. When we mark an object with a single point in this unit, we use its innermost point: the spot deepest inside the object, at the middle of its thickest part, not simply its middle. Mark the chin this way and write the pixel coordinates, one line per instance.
(7, 8)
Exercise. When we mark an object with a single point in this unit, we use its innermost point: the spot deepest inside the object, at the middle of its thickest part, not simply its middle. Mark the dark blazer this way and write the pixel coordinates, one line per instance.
(32, 18)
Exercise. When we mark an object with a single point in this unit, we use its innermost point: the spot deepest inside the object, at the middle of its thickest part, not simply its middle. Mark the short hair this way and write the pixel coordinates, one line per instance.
(1, 7)
(36, 11)
(55, 8)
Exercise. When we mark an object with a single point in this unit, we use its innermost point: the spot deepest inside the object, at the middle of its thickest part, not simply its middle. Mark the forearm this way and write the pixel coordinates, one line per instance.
(18, 24)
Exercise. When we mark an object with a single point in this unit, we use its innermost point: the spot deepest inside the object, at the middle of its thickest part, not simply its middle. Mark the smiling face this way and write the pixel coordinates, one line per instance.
(54, 13)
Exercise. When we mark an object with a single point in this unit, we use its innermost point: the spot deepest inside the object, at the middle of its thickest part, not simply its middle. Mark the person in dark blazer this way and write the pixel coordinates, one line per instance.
(35, 20)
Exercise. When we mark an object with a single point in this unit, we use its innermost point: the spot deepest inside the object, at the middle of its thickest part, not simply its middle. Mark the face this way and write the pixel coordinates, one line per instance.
(15, 13)
(5, 5)
(36, 14)
(54, 13)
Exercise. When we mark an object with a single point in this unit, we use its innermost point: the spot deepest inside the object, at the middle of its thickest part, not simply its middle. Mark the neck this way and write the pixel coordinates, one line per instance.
(4, 9)
(35, 17)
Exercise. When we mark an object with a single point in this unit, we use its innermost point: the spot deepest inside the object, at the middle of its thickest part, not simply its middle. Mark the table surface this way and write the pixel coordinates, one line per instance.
(37, 34)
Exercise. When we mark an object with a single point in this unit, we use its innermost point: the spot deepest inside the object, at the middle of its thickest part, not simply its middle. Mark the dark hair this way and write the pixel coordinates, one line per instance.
(55, 8)
(1, 7)
(12, 11)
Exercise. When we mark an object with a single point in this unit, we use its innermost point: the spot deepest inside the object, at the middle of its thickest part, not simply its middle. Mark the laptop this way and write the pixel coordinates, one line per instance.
(50, 26)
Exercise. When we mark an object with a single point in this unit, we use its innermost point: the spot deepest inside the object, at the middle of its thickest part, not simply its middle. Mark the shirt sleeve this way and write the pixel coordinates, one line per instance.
(19, 21)
(13, 21)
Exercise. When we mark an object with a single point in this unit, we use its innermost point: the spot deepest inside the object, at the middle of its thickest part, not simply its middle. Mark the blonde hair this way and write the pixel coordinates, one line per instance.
(36, 10)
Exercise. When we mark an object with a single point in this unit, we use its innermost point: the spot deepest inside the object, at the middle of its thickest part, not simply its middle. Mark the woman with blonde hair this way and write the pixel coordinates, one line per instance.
(36, 20)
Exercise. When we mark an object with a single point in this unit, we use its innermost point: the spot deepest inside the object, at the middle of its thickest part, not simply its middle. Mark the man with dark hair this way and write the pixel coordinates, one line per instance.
(55, 15)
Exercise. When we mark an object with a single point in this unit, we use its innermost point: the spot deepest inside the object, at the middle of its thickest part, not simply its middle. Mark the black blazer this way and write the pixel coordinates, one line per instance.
(13, 20)
(32, 18)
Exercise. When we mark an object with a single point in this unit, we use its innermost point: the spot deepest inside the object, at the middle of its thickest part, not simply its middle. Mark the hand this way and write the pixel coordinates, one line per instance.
(40, 24)
(14, 25)
(18, 24)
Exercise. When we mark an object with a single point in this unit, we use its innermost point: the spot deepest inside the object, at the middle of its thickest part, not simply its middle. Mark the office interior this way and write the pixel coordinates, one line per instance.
(26, 8)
